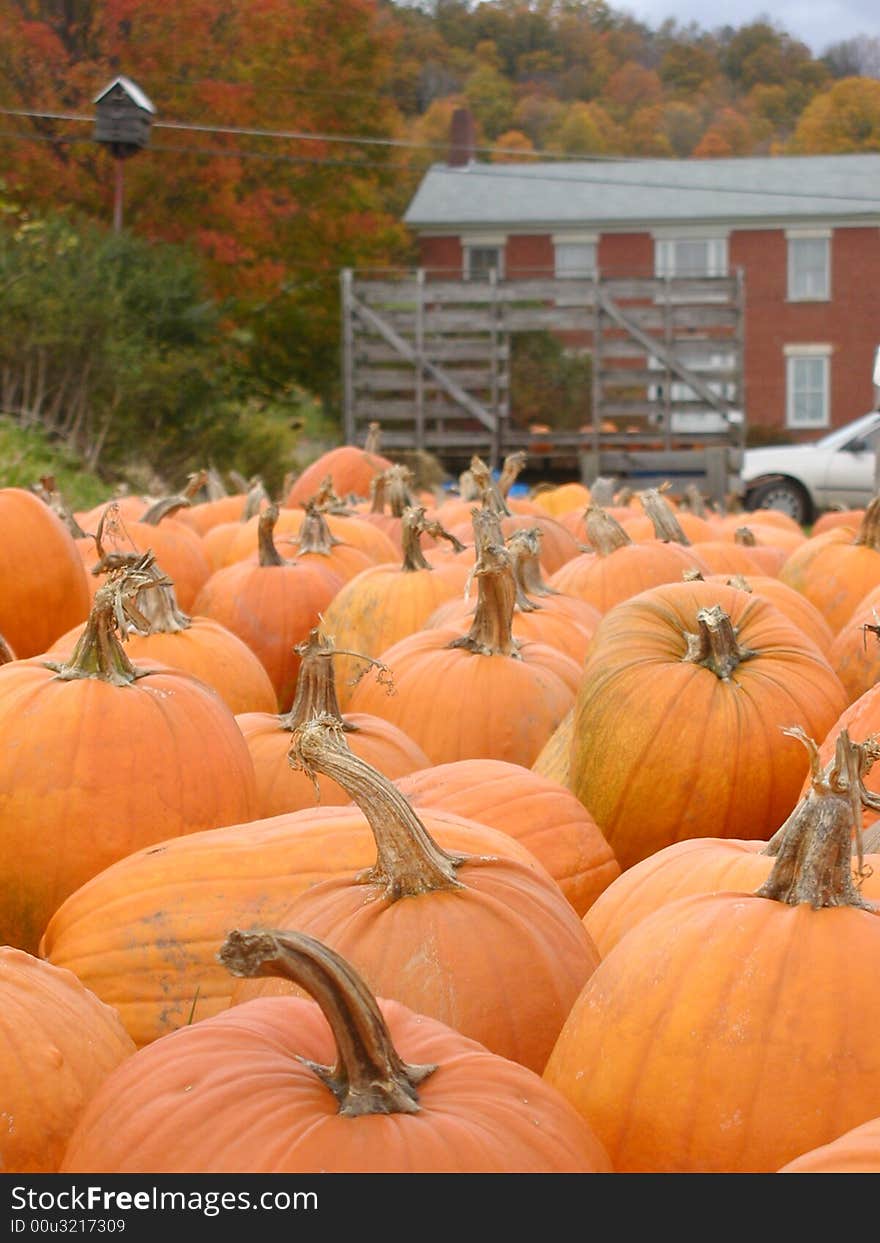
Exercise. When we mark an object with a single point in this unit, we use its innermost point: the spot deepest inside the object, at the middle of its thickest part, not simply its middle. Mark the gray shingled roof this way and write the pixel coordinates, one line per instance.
(131, 88)
(647, 192)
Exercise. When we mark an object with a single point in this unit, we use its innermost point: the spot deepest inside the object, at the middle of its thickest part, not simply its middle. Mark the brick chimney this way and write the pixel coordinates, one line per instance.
(461, 138)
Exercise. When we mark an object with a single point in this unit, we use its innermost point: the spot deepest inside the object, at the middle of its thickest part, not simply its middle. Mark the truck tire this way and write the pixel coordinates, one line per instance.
(786, 495)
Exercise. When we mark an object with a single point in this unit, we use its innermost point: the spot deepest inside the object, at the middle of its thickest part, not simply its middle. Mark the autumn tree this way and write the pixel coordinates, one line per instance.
(273, 218)
(844, 118)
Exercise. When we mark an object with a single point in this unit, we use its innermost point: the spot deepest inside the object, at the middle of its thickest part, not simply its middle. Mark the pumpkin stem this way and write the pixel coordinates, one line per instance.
(164, 508)
(715, 647)
(694, 500)
(524, 546)
(268, 553)
(490, 633)
(692, 575)
(604, 532)
(99, 652)
(409, 861)
(327, 501)
(740, 582)
(315, 535)
(869, 528)
(373, 439)
(414, 525)
(666, 525)
(6, 652)
(378, 489)
(316, 682)
(814, 848)
(369, 1077)
(194, 484)
(467, 486)
(490, 494)
(511, 468)
(255, 496)
(47, 491)
(398, 490)
(157, 603)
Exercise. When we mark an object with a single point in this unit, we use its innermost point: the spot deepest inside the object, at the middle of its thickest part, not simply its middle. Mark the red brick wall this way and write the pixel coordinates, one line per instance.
(443, 253)
(626, 254)
(849, 322)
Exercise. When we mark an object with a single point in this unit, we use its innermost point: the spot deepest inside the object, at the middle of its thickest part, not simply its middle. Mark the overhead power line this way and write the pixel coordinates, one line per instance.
(471, 170)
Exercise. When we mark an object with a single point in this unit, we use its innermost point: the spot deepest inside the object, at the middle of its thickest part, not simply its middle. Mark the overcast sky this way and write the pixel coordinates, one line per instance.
(818, 23)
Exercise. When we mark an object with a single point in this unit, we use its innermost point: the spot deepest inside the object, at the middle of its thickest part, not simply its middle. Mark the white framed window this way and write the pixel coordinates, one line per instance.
(482, 255)
(690, 256)
(574, 255)
(807, 385)
(809, 266)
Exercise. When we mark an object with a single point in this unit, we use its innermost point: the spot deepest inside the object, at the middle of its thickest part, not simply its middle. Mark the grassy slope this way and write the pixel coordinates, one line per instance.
(26, 454)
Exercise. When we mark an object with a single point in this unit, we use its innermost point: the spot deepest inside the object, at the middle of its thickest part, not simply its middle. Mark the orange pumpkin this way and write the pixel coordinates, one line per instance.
(271, 604)
(855, 650)
(461, 697)
(58, 1043)
(91, 761)
(730, 1032)
(200, 646)
(837, 569)
(143, 933)
(687, 687)
(453, 936)
(545, 817)
(336, 1082)
(390, 601)
(43, 588)
(618, 568)
(281, 788)
(350, 470)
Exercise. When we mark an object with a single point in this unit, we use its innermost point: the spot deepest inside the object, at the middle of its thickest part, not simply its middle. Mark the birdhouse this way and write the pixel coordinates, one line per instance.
(123, 116)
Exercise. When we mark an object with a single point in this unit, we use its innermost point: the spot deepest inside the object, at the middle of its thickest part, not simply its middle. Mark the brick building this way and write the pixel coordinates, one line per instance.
(802, 231)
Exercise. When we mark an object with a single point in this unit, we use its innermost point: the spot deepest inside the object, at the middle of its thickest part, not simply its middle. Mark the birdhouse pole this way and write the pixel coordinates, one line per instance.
(118, 195)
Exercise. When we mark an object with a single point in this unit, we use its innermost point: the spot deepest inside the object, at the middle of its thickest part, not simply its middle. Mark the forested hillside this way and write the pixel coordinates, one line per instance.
(288, 138)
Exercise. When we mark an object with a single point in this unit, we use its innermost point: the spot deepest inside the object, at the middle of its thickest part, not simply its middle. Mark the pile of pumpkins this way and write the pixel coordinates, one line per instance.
(369, 829)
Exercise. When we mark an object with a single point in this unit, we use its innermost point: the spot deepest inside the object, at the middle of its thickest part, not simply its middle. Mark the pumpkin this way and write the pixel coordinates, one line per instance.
(350, 470)
(837, 569)
(855, 649)
(450, 935)
(730, 1032)
(58, 1043)
(315, 541)
(438, 671)
(563, 499)
(542, 815)
(271, 604)
(92, 762)
(142, 933)
(677, 726)
(336, 1081)
(200, 646)
(560, 621)
(618, 568)
(43, 587)
(391, 601)
(281, 788)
